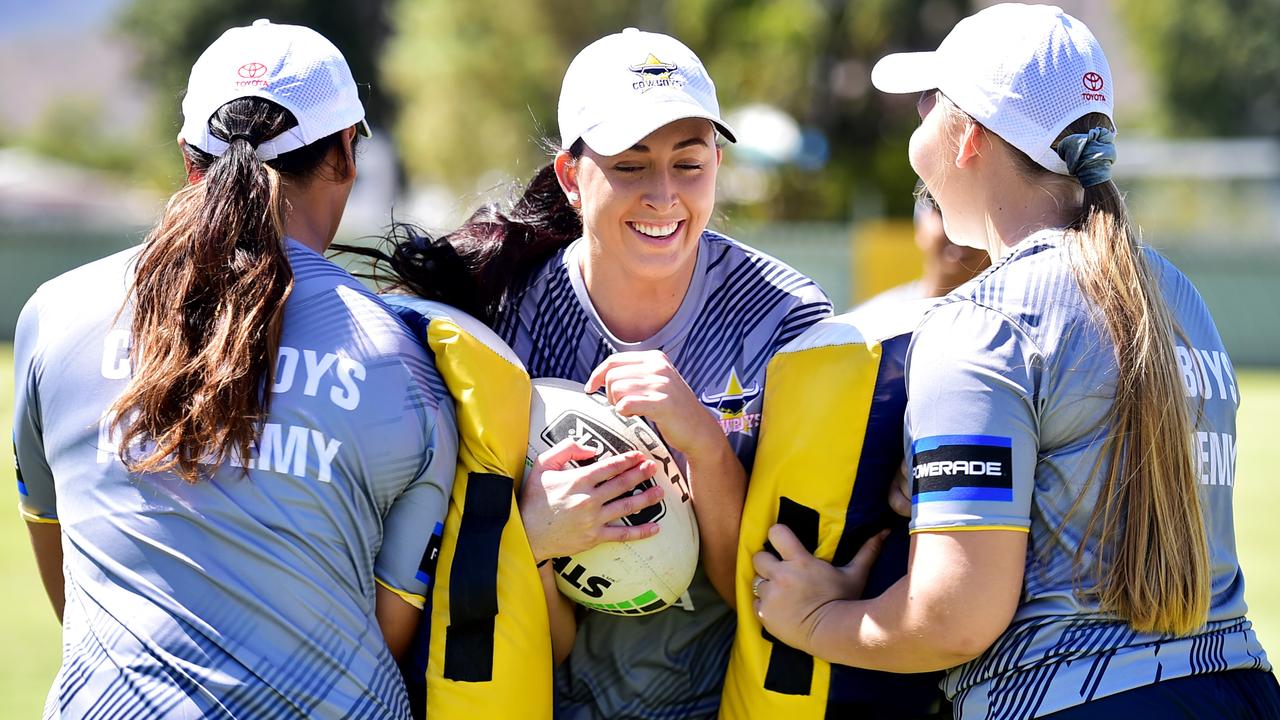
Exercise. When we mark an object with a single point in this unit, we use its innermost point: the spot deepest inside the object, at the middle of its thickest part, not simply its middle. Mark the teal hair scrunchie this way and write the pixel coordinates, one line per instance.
(1089, 155)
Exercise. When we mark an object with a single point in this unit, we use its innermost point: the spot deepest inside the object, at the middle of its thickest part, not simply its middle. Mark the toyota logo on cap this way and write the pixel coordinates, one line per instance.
(1093, 81)
(252, 70)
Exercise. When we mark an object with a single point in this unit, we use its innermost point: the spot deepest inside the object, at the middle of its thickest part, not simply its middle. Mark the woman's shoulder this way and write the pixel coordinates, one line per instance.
(525, 297)
(1032, 288)
(330, 308)
(1178, 289)
(57, 314)
(313, 272)
(733, 262)
(1037, 262)
(1185, 303)
(322, 287)
(549, 272)
(109, 275)
(738, 279)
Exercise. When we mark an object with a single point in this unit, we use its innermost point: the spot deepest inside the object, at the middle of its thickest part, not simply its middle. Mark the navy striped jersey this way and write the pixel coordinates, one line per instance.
(740, 308)
(250, 593)
(1010, 381)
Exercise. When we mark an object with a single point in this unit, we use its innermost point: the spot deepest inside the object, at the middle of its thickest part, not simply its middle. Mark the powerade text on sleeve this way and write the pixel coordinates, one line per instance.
(972, 425)
(1018, 362)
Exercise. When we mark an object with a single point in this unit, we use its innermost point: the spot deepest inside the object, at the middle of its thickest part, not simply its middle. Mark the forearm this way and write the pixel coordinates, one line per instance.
(397, 618)
(560, 613)
(959, 594)
(719, 487)
(892, 633)
(46, 542)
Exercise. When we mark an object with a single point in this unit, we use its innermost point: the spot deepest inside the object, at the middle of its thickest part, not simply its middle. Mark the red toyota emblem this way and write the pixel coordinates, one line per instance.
(1092, 81)
(252, 70)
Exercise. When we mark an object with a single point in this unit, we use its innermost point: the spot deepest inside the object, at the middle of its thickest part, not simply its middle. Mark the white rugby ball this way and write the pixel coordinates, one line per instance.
(620, 578)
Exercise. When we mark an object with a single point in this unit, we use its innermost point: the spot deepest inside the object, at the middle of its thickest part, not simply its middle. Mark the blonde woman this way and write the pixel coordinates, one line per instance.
(1070, 423)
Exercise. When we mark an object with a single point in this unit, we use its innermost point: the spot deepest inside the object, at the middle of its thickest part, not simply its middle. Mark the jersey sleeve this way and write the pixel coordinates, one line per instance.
(36, 498)
(412, 528)
(971, 425)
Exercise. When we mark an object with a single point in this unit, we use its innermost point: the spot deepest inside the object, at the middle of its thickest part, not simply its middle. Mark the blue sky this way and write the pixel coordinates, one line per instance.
(22, 17)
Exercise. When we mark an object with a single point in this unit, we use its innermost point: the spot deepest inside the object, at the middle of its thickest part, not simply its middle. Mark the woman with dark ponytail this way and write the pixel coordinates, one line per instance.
(604, 272)
(1070, 423)
(228, 444)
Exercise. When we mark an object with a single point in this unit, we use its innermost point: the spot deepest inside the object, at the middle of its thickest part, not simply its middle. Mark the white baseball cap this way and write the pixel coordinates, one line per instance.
(290, 65)
(624, 86)
(1025, 72)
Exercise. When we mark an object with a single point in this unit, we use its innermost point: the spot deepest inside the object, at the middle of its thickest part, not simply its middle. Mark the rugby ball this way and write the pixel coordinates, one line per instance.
(620, 578)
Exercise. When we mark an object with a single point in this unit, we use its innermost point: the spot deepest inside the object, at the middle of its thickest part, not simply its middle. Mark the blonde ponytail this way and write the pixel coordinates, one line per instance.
(1152, 552)
(1153, 556)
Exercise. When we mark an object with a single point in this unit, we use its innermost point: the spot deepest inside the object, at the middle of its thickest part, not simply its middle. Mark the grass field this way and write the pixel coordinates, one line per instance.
(29, 642)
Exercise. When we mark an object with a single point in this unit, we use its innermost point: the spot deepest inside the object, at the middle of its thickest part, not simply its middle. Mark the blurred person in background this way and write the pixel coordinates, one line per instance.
(604, 272)
(227, 447)
(947, 265)
(1070, 423)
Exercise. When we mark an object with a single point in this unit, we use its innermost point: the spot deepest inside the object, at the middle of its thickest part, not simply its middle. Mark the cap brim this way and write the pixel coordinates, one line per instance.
(907, 72)
(626, 129)
(362, 127)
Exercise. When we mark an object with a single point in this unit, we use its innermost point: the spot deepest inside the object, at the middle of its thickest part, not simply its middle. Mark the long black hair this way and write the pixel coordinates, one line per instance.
(474, 267)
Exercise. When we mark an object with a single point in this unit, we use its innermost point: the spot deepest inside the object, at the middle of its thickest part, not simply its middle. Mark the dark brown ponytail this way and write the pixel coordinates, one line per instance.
(473, 267)
(208, 299)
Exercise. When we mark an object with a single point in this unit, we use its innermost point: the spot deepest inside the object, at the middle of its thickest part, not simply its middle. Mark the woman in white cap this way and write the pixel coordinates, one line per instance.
(604, 272)
(1071, 423)
(227, 447)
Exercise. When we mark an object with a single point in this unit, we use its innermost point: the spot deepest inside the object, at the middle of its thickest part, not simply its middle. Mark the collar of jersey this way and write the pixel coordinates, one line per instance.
(676, 327)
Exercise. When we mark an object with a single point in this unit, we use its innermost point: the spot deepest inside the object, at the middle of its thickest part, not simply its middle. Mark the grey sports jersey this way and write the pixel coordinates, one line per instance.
(740, 308)
(249, 594)
(1009, 384)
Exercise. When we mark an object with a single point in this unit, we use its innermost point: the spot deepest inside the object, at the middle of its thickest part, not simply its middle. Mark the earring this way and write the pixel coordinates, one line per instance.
(573, 198)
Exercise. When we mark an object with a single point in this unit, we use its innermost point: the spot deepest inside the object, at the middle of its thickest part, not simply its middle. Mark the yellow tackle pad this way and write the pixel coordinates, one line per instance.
(831, 444)
(489, 647)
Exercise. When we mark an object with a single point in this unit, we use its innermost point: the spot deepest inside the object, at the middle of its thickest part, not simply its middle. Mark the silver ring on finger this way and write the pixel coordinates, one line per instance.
(755, 585)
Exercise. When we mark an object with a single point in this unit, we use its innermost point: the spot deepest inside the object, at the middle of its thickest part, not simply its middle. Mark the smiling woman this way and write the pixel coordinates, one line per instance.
(644, 209)
(604, 272)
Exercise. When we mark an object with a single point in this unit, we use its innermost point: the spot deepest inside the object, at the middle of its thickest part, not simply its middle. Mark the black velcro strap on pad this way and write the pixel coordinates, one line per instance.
(790, 670)
(802, 520)
(473, 579)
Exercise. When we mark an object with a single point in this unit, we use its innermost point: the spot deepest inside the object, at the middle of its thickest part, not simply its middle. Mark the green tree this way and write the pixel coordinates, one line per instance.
(475, 81)
(70, 130)
(1216, 64)
(478, 82)
(169, 36)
